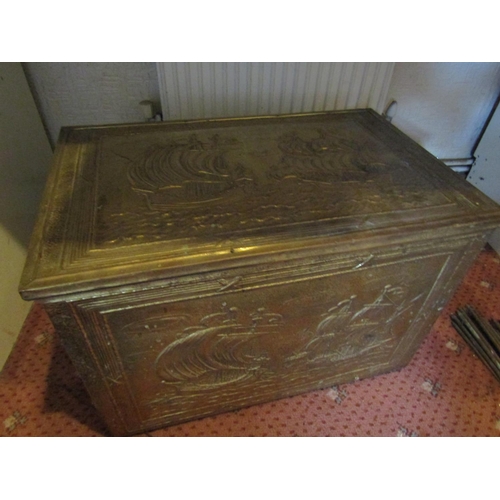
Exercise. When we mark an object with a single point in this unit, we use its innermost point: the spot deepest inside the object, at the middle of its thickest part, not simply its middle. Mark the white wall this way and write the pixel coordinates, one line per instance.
(91, 93)
(25, 155)
(485, 173)
(443, 106)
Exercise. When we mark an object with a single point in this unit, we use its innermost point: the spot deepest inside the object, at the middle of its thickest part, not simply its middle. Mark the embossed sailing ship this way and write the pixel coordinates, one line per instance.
(224, 348)
(229, 346)
(352, 328)
(186, 172)
(323, 157)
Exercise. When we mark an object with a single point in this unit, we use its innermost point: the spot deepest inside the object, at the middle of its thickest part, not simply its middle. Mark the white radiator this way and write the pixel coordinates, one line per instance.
(209, 90)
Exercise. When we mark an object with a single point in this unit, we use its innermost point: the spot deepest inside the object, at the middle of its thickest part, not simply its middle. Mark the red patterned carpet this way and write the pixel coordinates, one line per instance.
(444, 391)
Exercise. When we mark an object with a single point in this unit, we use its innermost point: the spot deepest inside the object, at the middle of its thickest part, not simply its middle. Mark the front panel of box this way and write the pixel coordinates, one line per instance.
(162, 357)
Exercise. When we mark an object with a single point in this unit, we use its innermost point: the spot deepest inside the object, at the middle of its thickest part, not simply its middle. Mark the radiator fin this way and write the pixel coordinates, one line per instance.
(224, 89)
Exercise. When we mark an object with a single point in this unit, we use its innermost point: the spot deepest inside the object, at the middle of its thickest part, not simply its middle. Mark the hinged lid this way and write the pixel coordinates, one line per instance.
(130, 203)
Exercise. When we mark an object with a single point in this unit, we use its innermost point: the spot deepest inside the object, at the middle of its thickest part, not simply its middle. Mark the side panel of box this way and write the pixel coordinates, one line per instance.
(90, 352)
(200, 345)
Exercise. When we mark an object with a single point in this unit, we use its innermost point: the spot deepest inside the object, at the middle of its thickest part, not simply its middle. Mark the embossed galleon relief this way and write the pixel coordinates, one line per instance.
(249, 344)
(237, 179)
(223, 348)
(325, 158)
(234, 345)
(352, 327)
(186, 172)
(229, 346)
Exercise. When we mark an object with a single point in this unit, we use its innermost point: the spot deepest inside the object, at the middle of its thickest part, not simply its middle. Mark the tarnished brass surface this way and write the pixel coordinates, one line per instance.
(126, 201)
(196, 267)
